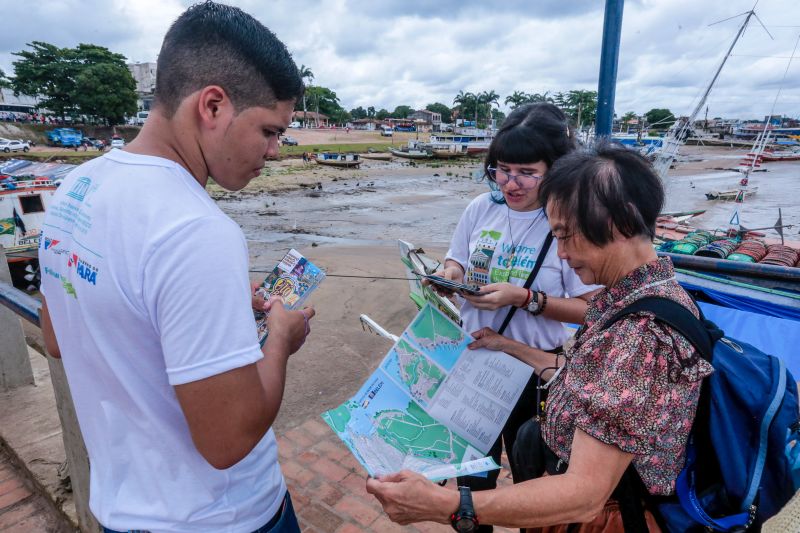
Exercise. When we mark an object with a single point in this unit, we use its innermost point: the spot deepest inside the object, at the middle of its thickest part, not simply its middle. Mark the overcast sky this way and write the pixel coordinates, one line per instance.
(386, 53)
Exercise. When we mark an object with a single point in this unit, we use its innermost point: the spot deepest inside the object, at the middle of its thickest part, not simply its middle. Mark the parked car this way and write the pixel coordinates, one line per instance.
(7, 145)
(64, 137)
(117, 142)
(386, 132)
(289, 141)
(295, 124)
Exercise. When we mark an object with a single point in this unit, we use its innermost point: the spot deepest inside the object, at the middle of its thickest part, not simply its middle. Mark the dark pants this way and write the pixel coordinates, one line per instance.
(522, 412)
(284, 521)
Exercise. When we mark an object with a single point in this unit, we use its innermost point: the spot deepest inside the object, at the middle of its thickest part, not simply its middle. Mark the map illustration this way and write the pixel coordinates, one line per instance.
(414, 371)
(388, 425)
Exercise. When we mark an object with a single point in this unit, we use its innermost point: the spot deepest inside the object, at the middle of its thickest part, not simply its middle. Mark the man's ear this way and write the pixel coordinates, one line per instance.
(213, 106)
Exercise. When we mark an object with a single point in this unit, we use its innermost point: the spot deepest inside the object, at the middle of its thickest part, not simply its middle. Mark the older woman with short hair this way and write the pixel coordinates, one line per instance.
(627, 394)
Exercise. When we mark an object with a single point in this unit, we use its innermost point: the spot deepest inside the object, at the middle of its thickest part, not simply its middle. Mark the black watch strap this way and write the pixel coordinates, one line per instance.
(464, 519)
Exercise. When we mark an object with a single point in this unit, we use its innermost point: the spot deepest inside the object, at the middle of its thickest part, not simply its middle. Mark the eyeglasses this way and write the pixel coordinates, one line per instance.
(503, 177)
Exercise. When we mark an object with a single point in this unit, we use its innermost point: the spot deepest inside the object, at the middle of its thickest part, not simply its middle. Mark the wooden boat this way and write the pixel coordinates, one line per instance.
(338, 160)
(447, 154)
(378, 156)
(410, 154)
(780, 155)
(730, 194)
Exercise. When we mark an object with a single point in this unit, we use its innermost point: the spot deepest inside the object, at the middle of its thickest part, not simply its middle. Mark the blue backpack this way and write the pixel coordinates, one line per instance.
(742, 465)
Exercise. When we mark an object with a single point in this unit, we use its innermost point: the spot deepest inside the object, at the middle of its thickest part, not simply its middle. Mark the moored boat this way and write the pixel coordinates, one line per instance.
(378, 156)
(731, 194)
(411, 153)
(338, 160)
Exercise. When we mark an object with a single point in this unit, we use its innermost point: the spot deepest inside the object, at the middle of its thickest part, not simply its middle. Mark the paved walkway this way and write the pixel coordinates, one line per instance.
(22, 511)
(327, 485)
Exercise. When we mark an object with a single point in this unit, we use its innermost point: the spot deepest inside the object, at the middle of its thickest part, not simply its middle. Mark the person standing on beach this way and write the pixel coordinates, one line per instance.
(146, 294)
(497, 243)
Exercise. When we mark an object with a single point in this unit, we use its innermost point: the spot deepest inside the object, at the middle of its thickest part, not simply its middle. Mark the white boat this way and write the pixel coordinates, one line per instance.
(731, 194)
(23, 203)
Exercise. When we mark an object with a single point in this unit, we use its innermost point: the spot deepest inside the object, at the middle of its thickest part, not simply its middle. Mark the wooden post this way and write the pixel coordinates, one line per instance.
(15, 366)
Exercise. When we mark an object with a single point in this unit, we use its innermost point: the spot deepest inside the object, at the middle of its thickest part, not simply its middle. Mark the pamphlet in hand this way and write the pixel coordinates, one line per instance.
(293, 278)
(433, 405)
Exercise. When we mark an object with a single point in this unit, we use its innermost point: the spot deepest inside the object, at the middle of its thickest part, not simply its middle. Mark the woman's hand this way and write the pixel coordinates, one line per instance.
(408, 497)
(497, 295)
(257, 301)
(489, 339)
(451, 272)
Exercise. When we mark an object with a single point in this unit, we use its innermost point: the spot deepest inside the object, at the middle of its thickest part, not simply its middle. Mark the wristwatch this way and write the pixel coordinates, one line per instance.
(534, 305)
(464, 519)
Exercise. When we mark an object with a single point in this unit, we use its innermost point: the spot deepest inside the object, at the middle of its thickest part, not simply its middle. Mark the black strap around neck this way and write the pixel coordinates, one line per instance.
(539, 261)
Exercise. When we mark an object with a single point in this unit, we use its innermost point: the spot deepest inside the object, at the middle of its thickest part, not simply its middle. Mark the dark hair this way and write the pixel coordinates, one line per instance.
(531, 133)
(604, 187)
(215, 44)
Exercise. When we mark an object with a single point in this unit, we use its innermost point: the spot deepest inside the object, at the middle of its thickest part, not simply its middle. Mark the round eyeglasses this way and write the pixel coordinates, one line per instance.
(502, 177)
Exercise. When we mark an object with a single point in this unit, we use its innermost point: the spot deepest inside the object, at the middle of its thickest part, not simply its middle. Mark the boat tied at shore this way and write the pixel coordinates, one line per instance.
(338, 160)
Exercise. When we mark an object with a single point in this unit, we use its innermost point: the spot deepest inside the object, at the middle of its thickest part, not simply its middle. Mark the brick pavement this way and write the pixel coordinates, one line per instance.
(328, 485)
(21, 510)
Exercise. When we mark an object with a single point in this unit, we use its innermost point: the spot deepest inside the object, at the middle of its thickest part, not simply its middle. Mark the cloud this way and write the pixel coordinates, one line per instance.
(414, 52)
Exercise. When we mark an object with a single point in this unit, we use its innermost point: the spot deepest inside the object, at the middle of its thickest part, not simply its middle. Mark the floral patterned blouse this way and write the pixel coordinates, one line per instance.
(634, 385)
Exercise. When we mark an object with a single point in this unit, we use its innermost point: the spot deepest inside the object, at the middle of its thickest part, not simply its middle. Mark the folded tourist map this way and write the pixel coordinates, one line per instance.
(432, 406)
(293, 278)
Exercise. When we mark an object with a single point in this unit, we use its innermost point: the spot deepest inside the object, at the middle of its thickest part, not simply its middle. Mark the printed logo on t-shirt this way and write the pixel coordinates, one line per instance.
(480, 260)
(513, 262)
(86, 271)
(80, 189)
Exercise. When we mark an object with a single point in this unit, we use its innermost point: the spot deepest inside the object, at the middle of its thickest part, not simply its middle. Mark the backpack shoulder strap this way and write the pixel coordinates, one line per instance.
(676, 316)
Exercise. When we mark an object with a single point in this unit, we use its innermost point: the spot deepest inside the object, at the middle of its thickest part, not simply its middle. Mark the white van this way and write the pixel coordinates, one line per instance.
(141, 117)
(386, 131)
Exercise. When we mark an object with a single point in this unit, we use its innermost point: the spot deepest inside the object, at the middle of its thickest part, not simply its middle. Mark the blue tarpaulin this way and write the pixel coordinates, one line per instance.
(772, 335)
(755, 305)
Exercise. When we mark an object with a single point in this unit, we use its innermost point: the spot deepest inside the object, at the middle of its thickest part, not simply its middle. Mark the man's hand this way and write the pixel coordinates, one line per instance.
(497, 295)
(287, 329)
(489, 339)
(408, 497)
(257, 300)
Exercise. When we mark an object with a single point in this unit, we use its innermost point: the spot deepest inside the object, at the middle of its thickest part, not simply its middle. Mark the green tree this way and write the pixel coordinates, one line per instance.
(382, 114)
(517, 98)
(371, 112)
(541, 97)
(4, 81)
(466, 103)
(498, 116)
(88, 79)
(402, 111)
(580, 106)
(358, 113)
(326, 102)
(104, 87)
(659, 119)
(46, 71)
(305, 74)
(486, 99)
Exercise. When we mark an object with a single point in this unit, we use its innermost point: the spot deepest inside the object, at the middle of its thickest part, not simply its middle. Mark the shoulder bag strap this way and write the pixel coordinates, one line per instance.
(539, 261)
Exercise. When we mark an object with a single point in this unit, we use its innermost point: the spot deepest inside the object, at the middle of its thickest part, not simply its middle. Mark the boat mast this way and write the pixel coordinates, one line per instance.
(609, 59)
(678, 132)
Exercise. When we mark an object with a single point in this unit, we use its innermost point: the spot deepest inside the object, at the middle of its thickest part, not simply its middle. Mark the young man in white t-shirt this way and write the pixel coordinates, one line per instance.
(148, 297)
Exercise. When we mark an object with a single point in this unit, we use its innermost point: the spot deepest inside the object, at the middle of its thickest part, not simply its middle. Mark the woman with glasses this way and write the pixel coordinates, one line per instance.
(497, 244)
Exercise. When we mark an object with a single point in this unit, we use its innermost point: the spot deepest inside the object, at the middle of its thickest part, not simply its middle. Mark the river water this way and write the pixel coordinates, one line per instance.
(424, 208)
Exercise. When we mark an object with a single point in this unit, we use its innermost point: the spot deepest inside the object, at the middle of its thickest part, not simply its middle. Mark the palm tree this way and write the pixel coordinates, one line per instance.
(464, 100)
(305, 73)
(488, 98)
(517, 99)
(541, 97)
(627, 117)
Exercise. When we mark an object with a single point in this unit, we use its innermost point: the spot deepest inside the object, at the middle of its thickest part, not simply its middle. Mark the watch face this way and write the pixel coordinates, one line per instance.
(466, 525)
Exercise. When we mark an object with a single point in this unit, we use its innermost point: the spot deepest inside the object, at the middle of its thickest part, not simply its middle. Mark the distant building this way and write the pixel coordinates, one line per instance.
(429, 117)
(144, 74)
(311, 117)
(368, 124)
(19, 104)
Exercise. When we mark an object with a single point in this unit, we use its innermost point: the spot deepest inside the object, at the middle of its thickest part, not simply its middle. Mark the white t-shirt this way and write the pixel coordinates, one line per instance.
(495, 244)
(147, 285)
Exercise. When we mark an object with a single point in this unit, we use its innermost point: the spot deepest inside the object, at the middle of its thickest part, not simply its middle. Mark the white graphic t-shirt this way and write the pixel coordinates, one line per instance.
(147, 285)
(496, 244)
